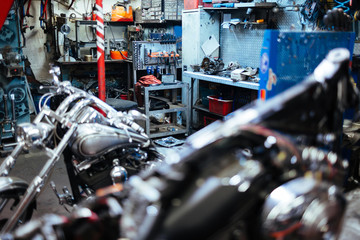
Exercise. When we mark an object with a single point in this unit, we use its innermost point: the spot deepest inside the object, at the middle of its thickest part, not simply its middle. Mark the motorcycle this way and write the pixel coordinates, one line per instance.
(271, 171)
(101, 147)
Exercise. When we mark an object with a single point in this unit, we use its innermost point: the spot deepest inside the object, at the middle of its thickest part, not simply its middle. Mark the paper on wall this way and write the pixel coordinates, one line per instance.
(210, 45)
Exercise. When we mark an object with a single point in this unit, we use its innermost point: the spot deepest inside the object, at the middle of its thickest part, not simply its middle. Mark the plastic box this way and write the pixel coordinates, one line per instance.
(192, 4)
(220, 106)
(208, 120)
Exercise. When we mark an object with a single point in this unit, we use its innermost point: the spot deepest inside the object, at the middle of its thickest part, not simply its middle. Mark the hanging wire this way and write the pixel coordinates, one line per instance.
(343, 5)
(43, 102)
(40, 105)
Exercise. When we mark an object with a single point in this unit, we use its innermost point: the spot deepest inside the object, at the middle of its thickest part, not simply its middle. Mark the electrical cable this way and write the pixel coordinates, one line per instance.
(343, 5)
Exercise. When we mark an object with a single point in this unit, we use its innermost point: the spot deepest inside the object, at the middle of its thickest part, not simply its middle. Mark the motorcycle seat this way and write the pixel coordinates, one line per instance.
(121, 104)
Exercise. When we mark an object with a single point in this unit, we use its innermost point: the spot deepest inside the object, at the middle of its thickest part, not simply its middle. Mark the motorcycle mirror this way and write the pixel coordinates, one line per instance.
(137, 115)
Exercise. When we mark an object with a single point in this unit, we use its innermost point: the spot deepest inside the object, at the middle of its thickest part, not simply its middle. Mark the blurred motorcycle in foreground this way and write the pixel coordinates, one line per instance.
(101, 146)
(271, 171)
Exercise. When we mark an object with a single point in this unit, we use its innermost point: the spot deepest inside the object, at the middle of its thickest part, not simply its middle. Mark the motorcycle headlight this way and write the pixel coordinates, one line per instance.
(32, 134)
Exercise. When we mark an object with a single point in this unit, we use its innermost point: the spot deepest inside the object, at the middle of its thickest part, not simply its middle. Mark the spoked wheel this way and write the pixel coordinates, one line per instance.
(9, 200)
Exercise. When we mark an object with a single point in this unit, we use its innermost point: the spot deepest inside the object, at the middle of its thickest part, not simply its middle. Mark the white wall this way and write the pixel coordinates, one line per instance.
(35, 49)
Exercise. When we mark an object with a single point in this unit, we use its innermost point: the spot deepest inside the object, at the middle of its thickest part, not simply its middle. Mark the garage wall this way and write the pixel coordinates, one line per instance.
(35, 49)
(39, 45)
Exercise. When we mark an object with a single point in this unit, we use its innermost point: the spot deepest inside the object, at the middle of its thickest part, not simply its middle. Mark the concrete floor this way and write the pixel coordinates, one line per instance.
(28, 165)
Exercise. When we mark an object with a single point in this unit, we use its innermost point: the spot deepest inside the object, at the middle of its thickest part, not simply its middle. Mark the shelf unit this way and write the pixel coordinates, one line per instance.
(197, 76)
(173, 128)
(244, 5)
(89, 44)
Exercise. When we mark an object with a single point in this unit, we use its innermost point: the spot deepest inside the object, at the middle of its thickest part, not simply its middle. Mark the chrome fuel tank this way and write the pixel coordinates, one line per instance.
(92, 140)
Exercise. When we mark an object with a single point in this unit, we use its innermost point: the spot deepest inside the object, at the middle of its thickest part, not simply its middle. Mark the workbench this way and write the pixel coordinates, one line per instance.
(69, 68)
(198, 76)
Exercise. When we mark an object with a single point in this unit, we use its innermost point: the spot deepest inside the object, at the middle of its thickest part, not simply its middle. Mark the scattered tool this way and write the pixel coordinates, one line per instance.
(163, 55)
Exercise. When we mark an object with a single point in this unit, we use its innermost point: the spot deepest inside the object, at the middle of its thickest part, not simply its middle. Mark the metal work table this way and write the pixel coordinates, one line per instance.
(214, 79)
(220, 80)
(67, 68)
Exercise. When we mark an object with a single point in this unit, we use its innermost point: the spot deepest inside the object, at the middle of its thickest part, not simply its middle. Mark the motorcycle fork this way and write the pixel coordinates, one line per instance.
(10, 160)
(74, 181)
(38, 182)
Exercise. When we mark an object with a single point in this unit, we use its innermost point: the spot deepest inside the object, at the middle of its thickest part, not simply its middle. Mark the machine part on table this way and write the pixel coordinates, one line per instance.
(212, 66)
(135, 33)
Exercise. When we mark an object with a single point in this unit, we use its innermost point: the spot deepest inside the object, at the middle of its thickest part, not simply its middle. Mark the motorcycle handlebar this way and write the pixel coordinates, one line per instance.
(88, 99)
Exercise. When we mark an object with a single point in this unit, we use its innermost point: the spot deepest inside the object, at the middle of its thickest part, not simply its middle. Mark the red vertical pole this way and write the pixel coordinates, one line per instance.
(100, 44)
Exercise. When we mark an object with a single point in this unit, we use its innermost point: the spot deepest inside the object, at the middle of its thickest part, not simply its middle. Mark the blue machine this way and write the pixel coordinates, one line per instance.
(288, 57)
(14, 106)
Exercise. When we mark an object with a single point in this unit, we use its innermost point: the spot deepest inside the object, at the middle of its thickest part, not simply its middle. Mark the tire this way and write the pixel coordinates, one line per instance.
(11, 199)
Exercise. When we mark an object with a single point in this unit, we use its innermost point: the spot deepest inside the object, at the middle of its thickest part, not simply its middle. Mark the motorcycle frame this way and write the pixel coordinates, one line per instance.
(329, 87)
(39, 181)
(67, 120)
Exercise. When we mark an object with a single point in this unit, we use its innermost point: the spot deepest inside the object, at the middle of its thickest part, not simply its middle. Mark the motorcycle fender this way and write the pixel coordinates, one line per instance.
(12, 183)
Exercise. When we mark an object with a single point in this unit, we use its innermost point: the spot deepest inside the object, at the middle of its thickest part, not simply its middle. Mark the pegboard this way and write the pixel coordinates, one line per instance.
(357, 48)
(287, 57)
(241, 45)
(244, 45)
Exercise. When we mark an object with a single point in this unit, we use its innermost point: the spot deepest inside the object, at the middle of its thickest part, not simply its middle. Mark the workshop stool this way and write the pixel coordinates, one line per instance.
(122, 105)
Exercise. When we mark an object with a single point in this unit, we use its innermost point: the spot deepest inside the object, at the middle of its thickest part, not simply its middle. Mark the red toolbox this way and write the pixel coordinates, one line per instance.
(208, 120)
(220, 106)
(192, 4)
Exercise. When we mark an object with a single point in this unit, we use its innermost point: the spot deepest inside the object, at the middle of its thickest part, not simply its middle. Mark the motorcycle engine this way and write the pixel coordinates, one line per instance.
(96, 173)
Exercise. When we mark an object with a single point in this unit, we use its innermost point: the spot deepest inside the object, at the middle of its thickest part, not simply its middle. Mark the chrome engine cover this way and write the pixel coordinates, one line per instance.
(304, 208)
(92, 140)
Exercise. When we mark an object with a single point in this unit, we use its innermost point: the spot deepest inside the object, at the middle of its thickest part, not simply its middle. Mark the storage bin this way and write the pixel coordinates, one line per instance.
(220, 106)
(192, 4)
(208, 120)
